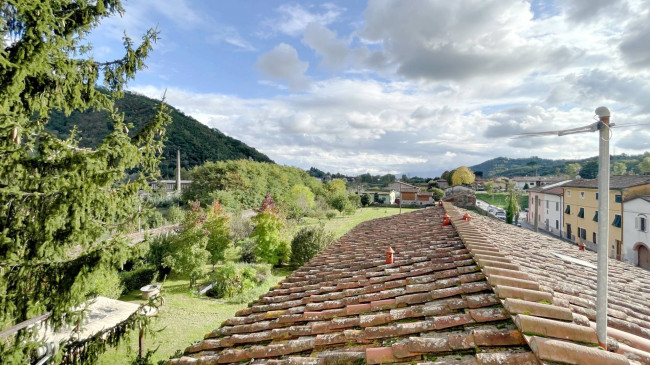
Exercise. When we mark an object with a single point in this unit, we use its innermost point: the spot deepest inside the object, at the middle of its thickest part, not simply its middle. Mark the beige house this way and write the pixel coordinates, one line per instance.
(581, 207)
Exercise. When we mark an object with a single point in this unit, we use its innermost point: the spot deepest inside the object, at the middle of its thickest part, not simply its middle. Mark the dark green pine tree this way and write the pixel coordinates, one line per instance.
(62, 207)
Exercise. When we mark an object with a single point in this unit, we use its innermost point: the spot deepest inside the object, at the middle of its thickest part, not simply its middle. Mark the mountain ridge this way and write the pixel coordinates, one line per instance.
(197, 142)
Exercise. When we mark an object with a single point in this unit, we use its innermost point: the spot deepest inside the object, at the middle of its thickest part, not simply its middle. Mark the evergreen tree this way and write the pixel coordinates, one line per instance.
(62, 206)
(187, 251)
(512, 207)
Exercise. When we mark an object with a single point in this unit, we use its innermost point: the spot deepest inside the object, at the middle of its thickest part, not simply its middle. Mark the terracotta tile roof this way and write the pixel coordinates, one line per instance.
(434, 305)
(347, 305)
(550, 288)
(615, 182)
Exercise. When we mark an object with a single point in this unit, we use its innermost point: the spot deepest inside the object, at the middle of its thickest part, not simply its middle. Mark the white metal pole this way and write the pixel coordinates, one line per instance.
(603, 225)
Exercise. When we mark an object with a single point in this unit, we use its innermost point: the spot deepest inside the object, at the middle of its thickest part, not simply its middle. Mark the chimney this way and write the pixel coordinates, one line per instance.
(178, 171)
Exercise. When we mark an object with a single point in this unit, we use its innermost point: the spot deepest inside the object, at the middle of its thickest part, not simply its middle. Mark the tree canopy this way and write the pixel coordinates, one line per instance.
(63, 206)
(589, 170)
(462, 175)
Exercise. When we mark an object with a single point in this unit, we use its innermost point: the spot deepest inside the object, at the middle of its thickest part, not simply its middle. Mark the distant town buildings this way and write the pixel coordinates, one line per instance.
(570, 210)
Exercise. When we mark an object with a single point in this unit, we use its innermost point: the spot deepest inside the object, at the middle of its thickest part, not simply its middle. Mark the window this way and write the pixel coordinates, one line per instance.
(618, 198)
(557, 206)
(581, 213)
(547, 202)
(641, 223)
(596, 196)
(582, 195)
(582, 233)
(557, 224)
(596, 217)
(568, 209)
(617, 221)
(568, 193)
(593, 237)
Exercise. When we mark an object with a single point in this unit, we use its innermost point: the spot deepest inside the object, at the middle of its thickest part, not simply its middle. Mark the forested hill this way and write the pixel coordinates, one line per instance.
(197, 142)
(503, 166)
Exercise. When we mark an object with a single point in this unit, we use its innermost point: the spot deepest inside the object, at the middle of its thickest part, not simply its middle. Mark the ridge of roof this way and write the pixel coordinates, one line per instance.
(615, 182)
(553, 323)
(347, 305)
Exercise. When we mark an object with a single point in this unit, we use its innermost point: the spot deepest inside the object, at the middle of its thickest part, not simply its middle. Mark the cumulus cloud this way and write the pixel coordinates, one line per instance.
(282, 63)
(334, 52)
(588, 10)
(469, 39)
(293, 18)
(634, 45)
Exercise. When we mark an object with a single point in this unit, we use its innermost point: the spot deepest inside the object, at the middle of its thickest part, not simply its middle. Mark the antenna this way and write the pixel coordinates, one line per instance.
(603, 126)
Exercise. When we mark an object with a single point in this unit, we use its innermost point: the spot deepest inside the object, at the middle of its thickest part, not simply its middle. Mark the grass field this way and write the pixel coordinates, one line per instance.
(186, 317)
(500, 199)
(340, 225)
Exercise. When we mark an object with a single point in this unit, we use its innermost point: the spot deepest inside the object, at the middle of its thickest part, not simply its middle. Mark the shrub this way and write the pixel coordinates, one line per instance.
(137, 278)
(234, 279)
(240, 227)
(355, 200)
(247, 250)
(271, 245)
(154, 219)
(365, 200)
(159, 247)
(330, 214)
(308, 242)
(105, 282)
(175, 214)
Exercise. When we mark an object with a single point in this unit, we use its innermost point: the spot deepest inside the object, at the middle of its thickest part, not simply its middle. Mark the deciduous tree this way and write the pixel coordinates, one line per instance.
(572, 170)
(217, 226)
(462, 175)
(589, 170)
(644, 165)
(271, 247)
(619, 168)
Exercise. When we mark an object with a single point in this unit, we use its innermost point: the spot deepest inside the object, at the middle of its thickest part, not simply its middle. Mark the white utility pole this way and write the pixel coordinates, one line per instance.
(603, 126)
(603, 225)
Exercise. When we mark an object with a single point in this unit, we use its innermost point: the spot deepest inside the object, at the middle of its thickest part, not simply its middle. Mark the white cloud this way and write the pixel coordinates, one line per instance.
(355, 126)
(334, 51)
(282, 63)
(293, 18)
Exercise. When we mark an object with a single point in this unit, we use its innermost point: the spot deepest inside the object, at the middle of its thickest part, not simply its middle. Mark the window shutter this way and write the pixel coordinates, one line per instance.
(637, 222)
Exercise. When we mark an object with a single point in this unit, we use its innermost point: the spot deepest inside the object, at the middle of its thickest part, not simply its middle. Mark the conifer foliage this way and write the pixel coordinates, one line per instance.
(62, 206)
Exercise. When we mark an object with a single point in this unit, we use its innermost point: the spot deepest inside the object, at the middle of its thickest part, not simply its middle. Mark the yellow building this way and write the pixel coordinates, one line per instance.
(581, 207)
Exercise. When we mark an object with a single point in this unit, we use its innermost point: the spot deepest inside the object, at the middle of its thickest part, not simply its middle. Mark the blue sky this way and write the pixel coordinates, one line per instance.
(397, 86)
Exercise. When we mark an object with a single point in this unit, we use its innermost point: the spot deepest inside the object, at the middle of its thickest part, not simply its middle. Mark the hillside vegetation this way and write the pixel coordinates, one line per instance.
(198, 143)
(508, 167)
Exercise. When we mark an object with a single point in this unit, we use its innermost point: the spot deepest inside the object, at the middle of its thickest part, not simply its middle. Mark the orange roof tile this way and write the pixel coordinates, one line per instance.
(347, 305)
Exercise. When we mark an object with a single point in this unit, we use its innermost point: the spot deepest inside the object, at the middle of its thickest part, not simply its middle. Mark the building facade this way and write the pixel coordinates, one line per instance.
(549, 209)
(581, 210)
(636, 242)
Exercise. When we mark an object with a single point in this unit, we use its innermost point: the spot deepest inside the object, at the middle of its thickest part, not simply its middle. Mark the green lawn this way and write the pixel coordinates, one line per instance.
(186, 317)
(499, 199)
(340, 225)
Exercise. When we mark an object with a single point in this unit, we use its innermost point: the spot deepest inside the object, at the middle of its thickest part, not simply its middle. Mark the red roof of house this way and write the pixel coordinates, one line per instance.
(434, 303)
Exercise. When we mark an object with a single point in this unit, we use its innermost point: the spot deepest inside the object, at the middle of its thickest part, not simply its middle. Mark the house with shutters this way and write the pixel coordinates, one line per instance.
(476, 292)
(410, 194)
(636, 236)
(546, 205)
(581, 210)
